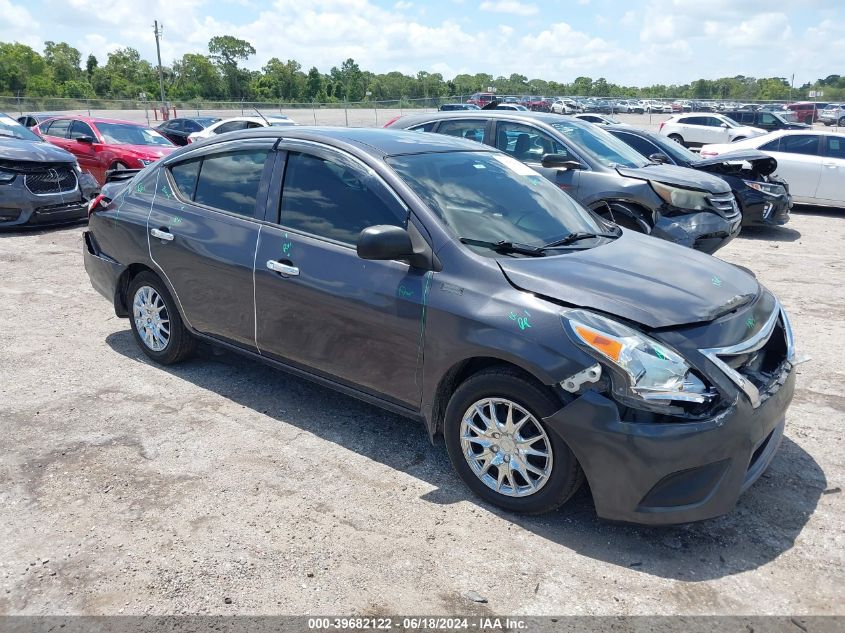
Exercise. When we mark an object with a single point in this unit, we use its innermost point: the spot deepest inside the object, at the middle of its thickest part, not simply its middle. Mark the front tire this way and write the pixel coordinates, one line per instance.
(500, 447)
(155, 321)
(841, 122)
(677, 138)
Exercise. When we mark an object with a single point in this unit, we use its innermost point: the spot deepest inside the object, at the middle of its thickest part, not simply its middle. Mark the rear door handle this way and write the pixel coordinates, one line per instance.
(162, 235)
(285, 269)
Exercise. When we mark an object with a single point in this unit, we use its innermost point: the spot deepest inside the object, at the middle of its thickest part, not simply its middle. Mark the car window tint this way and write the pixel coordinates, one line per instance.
(425, 127)
(835, 147)
(643, 146)
(80, 128)
(231, 126)
(800, 144)
(191, 126)
(333, 200)
(185, 177)
(58, 128)
(771, 146)
(767, 119)
(525, 142)
(229, 181)
(472, 129)
(712, 121)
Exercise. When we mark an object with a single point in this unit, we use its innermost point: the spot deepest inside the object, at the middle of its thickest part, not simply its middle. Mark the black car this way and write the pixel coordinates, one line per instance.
(35, 118)
(40, 184)
(448, 107)
(769, 121)
(763, 198)
(602, 173)
(445, 281)
(178, 130)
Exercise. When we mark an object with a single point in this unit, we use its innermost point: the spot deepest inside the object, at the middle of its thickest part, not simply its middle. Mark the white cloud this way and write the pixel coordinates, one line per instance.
(509, 6)
(402, 5)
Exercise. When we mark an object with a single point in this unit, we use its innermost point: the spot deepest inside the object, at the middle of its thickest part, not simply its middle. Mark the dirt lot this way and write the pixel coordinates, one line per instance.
(222, 486)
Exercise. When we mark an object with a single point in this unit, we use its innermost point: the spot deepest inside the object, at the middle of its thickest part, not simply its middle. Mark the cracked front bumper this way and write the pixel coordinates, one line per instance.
(668, 473)
(703, 230)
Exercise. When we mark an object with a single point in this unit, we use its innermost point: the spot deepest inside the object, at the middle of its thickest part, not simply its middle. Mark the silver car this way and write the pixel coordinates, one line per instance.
(833, 114)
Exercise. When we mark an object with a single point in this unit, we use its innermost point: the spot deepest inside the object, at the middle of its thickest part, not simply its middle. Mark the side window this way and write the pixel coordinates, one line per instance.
(712, 121)
(473, 129)
(80, 128)
(229, 181)
(691, 120)
(800, 144)
(525, 142)
(58, 128)
(185, 177)
(231, 126)
(643, 146)
(835, 147)
(191, 126)
(332, 200)
(771, 146)
(767, 119)
(425, 127)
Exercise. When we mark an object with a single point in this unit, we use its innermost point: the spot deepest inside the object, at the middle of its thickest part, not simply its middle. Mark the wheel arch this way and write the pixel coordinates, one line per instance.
(459, 373)
(629, 208)
(121, 307)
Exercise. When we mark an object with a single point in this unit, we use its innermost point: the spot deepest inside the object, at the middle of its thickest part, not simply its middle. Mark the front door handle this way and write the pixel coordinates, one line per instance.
(285, 269)
(162, 235)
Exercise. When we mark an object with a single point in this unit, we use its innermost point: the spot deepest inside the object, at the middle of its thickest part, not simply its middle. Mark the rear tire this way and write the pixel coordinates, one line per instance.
(841, 122)
(508, 388)
(155, 321)
(677, 138)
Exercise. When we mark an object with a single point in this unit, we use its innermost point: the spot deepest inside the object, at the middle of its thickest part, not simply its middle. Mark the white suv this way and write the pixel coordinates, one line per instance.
(697, 129)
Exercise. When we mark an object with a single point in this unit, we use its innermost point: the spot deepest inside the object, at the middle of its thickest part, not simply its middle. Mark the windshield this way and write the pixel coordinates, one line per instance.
(491, 197)
(601, 145)
(128, 134)
(9, 128)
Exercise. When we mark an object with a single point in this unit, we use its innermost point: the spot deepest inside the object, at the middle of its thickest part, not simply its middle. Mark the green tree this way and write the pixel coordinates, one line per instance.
(314, 84)
(90, 66)
(18, 64)
(227, 51)
(196, 76)
(63, 60)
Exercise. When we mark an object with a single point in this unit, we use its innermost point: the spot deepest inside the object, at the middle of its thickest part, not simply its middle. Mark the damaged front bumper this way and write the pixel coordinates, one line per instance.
(705, 231)
(20, 208)
(667, 473)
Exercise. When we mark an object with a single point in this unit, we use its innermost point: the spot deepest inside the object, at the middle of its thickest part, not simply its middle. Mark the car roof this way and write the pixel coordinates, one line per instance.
(95, 120)
(507, 115)
(374, 141)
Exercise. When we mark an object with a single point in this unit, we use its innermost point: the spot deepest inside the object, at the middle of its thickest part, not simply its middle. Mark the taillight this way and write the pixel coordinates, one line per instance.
(661, 126)
(92, 206)
(392, 121)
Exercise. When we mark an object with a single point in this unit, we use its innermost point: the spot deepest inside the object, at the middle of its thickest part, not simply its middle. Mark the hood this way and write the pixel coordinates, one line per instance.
(33, 151)
(762, 163)
(639, 278)
(153, 152)
(677, 176)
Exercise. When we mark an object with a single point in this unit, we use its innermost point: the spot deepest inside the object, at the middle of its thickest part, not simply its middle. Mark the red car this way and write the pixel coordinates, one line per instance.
(806, 111)
(101, 145)
(481, 99)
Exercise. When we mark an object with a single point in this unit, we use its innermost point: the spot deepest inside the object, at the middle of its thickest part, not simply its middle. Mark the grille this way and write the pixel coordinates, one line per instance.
(758, 365)
(55, 180)
(726, 206)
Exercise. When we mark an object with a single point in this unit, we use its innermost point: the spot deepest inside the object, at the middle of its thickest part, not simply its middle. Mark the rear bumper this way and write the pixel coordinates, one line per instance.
(103, 271)
(704, 231)
(673, 472)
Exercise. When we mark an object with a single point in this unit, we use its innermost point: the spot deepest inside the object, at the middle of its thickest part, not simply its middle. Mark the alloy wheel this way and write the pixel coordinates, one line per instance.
(151, 319)
(506, 447)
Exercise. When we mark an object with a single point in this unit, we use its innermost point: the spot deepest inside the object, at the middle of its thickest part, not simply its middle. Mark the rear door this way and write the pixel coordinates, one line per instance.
(832, 179)
(471, 129)
(694, 130)
(203, 233)
(799, 163)
(319, 306)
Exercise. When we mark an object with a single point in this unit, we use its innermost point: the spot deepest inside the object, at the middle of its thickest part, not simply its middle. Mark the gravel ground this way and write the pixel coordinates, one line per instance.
(221, 486)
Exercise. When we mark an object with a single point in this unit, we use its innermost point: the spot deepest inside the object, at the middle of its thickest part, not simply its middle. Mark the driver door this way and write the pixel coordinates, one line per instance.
(86, 153)
(529, 144)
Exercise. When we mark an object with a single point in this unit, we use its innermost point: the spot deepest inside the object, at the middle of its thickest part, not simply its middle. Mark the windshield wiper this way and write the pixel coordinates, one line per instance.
(575, 237)
(504, 246)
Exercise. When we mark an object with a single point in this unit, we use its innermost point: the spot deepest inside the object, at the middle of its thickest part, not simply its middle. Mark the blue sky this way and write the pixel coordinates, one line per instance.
(637, 42)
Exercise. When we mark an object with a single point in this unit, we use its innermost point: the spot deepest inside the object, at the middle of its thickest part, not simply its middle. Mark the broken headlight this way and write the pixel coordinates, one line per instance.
(642, 369)
(681, 198)
(765, 187)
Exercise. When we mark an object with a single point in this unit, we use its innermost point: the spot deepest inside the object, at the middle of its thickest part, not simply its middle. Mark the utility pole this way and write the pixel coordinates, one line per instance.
(158, 32)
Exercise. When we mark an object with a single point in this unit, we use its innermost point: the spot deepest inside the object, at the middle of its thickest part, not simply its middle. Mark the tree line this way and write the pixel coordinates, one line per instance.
(220, 75)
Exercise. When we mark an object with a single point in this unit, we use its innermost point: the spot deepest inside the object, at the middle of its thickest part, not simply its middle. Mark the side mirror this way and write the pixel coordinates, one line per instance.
(385, 242)
(659, 158)
(560, 161)
(724, 125)
(88, 140)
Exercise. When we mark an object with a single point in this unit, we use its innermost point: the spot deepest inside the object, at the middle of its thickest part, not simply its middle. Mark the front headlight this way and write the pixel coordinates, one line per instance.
(765, 187)
(681, 198)
(645, 370)
(6, 176)
(145, 161)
